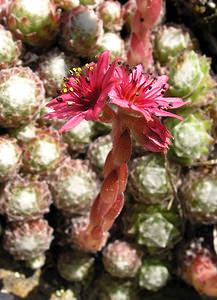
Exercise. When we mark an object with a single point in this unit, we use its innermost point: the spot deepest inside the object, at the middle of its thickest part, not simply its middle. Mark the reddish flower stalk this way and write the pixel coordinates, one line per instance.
(132, 101)
(144, 19)
(110, 200)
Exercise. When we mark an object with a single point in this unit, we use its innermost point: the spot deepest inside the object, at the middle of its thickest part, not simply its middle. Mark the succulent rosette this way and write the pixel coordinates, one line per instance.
(190, 78)
(75, 266)
(27, 240)
(98, 151)
(192, 138)
(121, 259)
(25, 133)
(25, 199)
(80, 31)
(79, 137)
(10, 50)
(199, 196)
(153, 274)
(74, 186)
(170, 41)
(21, 96)
(156, 228)
(112, 42)
(43, 153)
(111, 13)
(52, 68)
(67, 4)
(197, 266)
(149, 181)
(63, 294)
(34, 22)
(110, 288)
(10, 157)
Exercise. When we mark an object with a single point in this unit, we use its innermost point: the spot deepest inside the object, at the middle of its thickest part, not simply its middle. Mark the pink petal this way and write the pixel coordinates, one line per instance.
(163, 113)
(72, 122)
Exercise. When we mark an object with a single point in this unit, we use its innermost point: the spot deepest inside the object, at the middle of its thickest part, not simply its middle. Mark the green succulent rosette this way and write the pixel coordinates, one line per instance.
(10, 157)
(43, 153)
(35, 23)
(98, 151)
(27, 240)
(153, 275)
(191, 138)
(63, 294)
(74, 187)
(21, 96)
(109, 288)
(148, 180)
(79, 137)
(25, 199)
(152, 226)
(199, 196)
(81, 31)
(10, 50)
(75, 266)
(190, 78)
(170, 41)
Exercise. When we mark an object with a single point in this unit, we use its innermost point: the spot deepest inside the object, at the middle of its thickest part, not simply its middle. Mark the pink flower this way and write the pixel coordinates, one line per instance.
(153, 135)
(142, 96)
(84, 93)
(139, 93)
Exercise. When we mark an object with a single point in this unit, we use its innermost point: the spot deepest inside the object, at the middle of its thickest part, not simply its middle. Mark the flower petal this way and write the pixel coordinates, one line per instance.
(72, 122)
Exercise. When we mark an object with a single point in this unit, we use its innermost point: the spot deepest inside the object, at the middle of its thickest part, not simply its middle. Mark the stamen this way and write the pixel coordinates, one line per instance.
(59, 99)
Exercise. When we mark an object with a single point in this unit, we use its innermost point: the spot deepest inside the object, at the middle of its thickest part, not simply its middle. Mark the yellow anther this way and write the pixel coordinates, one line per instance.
(91, 68)
(77, 74)
(79, 70)
(64, 85)
(74, 69)
(87, 65)
(71, 72)
(71, 89)
(65, 90)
